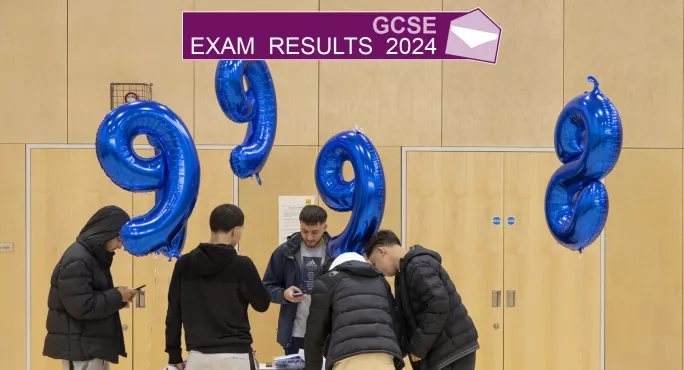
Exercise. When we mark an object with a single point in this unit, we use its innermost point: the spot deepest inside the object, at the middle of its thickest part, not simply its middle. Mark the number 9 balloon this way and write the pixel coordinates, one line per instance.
(174, 172)
(588, 142)
(256, 106)
(364, 196)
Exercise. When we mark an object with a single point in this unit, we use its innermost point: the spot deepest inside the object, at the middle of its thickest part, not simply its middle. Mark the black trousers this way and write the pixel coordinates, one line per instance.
(464, 363)
(296, 344)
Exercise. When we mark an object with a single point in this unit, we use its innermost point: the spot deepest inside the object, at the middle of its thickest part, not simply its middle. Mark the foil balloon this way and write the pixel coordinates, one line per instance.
(174, 173)
(364, 196)
(588, 141)
(177, 241)
(257, 106)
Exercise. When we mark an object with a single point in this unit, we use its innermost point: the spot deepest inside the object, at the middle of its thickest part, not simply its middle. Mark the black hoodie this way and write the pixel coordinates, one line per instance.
(436, 322)
(211, 288)
(83, 320)
(352, 306)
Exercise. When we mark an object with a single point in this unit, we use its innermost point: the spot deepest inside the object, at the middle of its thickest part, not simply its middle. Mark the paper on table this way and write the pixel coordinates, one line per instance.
(289, 208)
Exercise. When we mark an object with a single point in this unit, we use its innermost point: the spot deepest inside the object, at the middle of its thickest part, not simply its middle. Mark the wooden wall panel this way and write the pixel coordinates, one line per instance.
(33, 53)
(135, 42)
(644, 261)
(13, 264)
(556, 318)
(216, 187)
(289, 171)
(516, 102)
(67, 188)
(451, 200)
(634, 49)
(380, 5)
(396, 103)
(296, 84)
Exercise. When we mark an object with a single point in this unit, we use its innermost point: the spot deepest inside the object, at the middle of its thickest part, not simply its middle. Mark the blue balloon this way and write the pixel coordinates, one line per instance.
(588, 142)
(257, 106)
(177, 241)
(174, 172)
(364, 196)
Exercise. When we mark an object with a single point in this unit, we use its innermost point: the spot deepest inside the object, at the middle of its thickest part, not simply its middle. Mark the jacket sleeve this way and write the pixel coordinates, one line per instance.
(317, 326)
(78, 297)
(253, 289)
(174, 320)
(427, 287)
(274, 278)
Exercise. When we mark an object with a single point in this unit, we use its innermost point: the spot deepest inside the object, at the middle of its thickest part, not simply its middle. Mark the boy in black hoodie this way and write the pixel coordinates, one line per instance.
(211, 288)
(438, 332)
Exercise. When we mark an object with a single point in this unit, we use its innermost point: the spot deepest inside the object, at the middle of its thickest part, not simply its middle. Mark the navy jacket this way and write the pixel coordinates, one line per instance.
(282, 272)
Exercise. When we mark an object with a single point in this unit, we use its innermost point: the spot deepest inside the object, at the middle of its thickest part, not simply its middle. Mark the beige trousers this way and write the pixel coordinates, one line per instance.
(219, 361)
(86, 365)
(371, 361)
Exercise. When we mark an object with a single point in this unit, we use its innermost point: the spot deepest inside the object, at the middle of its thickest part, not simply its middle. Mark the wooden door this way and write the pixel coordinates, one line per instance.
(289, 171)
(216, 187)
(644, 261)
(452, 199)
(551, 297)
(67, 188)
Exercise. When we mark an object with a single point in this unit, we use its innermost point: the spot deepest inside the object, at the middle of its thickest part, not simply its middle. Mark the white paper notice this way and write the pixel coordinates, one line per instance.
(289, 208)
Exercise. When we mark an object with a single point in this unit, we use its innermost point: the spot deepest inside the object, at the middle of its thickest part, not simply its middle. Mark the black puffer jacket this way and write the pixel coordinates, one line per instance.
(352, 304)
(437, 325)
(83, 320)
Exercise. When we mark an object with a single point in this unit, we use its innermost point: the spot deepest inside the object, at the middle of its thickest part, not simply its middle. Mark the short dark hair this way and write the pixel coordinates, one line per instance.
(226, 217)
(312, 214)
(380, 239)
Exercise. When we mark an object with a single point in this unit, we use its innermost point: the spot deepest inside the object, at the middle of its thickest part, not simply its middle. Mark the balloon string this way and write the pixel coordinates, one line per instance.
(581, 311)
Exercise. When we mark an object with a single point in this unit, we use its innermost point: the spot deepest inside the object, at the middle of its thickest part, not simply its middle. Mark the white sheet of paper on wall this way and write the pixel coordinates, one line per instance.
(289, 207)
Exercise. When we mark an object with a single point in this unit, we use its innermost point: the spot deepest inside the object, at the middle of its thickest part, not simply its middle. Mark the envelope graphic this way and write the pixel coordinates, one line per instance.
(474, 36)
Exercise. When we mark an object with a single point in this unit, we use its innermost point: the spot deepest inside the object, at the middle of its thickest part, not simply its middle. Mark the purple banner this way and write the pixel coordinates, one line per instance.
(340, 35)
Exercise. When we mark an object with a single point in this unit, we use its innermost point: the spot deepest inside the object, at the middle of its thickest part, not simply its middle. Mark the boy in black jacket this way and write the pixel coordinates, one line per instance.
(352, 310)
(211, 288)
(439, 332)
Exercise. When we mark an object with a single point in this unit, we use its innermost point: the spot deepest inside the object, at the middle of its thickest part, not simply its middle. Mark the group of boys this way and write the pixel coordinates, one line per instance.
(339, 308)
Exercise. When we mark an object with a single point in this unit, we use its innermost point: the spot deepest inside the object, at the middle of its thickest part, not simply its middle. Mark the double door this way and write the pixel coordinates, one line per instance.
(66, 187)
(536, 305)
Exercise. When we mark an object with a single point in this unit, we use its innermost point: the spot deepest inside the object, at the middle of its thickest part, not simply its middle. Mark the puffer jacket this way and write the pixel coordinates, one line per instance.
(83, 320)
(352, 308)
(436, 322)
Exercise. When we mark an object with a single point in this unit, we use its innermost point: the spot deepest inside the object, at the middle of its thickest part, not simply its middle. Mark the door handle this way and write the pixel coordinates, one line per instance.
(140, 299)
(510, 298)
(496, 298)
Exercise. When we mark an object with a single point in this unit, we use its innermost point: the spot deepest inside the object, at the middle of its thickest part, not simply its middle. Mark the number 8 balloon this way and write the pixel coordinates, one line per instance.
(174, 173)
(364, 196)
(256, 106)
(588, 142)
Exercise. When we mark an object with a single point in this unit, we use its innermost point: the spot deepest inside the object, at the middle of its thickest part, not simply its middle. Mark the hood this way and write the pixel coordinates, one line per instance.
(210, 259)
(354, 264)
(102, 227)
(418, 250)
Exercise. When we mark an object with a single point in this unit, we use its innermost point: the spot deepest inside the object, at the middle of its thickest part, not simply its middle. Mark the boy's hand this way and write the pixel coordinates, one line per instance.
(415, 358)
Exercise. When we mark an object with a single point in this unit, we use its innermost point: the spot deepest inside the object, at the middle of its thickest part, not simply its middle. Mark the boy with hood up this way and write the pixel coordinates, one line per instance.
(211, 288)
(83, 322)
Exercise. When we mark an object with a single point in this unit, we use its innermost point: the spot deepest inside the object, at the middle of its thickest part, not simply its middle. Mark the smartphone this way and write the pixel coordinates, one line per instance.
(140, 287)
(297, 294)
